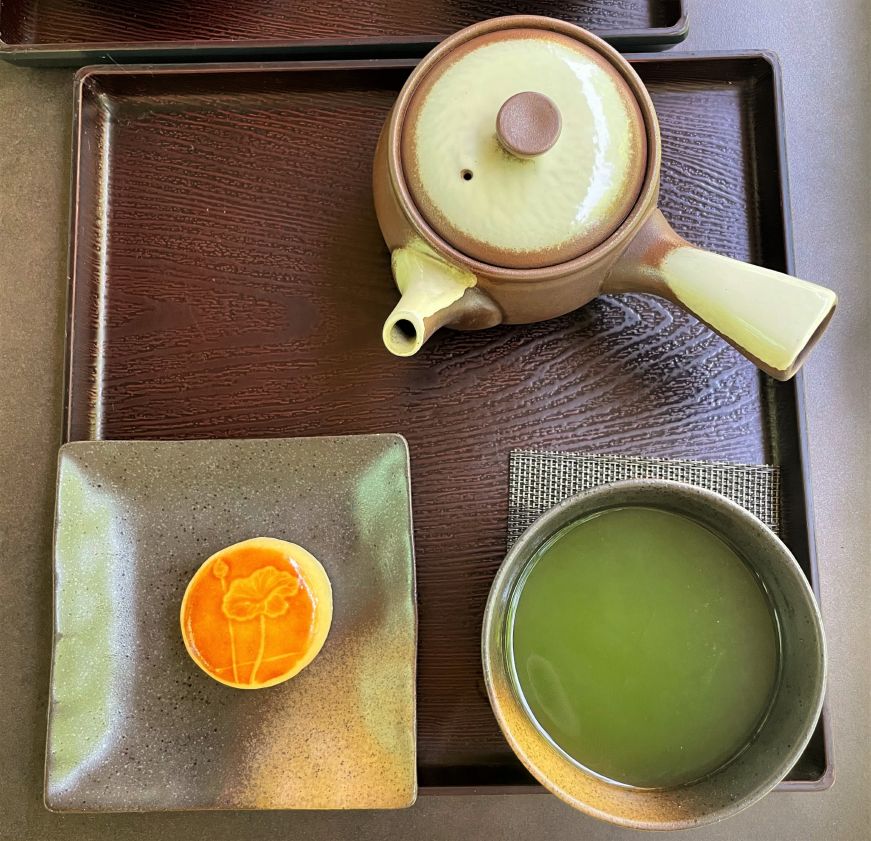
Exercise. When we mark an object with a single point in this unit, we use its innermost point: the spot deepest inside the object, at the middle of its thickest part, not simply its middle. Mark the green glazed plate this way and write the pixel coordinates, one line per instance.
(134, 724)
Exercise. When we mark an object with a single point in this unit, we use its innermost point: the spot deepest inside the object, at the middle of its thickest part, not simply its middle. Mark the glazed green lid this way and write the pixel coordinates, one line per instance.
(524, 148)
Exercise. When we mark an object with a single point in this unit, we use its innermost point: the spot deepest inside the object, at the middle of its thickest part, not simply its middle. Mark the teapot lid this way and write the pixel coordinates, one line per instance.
(523, 148)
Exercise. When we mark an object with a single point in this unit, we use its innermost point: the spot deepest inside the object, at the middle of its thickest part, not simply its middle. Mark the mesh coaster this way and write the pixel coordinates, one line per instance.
(539, 480)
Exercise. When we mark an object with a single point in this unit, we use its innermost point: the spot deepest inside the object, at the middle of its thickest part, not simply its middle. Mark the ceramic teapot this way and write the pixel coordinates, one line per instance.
(517, 177)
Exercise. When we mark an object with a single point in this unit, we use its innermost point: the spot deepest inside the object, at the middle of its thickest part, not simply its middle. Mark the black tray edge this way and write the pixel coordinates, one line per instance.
(81, 54)
(827, 778)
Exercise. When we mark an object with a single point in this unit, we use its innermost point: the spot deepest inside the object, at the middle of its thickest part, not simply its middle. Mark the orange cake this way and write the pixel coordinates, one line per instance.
(257, 613)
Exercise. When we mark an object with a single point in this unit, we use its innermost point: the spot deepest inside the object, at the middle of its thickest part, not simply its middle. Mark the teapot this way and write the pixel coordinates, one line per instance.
(516, 178)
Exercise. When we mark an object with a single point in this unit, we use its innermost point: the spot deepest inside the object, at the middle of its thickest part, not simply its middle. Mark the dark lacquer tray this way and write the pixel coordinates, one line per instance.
(228, 279)
(85, 31)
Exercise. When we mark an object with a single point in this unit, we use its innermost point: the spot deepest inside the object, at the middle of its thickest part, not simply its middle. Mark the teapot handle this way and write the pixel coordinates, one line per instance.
(772, 318)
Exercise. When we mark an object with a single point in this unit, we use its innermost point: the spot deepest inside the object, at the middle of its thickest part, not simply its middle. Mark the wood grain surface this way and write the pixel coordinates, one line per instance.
(230, 281)
(132, 21)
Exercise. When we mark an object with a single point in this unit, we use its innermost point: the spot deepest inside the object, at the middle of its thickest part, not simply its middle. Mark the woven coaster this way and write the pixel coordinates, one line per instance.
(539, 480)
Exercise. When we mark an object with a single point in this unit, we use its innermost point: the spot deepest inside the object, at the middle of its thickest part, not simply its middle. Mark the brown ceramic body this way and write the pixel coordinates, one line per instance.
(521, 295)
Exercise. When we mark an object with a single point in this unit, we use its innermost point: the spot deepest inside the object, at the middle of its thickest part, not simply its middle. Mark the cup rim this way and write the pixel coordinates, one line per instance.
(622, 234)
(507, 706)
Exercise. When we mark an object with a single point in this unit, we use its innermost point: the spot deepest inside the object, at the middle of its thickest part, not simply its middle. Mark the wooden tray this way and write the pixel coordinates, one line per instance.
(83, 31)
(228, 279)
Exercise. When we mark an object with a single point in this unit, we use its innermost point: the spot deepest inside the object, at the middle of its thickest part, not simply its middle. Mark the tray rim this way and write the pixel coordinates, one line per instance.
(78, 53)
(770, 58)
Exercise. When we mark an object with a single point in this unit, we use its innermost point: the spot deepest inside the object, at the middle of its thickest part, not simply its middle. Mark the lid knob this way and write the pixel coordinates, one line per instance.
(528, 124)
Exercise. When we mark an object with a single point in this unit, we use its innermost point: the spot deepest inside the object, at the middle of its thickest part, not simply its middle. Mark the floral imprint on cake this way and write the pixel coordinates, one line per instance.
(256, 613)
(262, 594)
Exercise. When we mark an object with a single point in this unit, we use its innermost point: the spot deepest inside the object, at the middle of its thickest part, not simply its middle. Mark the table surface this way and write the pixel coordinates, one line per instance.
(824, 49)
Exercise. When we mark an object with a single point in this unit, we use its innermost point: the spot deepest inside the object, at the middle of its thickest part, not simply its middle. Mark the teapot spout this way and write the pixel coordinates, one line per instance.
(434, 295)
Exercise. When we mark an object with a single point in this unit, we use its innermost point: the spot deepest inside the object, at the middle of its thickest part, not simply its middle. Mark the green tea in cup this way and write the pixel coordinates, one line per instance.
(644, 647)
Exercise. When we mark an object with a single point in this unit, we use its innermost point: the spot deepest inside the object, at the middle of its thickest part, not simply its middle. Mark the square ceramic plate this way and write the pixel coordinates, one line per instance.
(134, 724)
